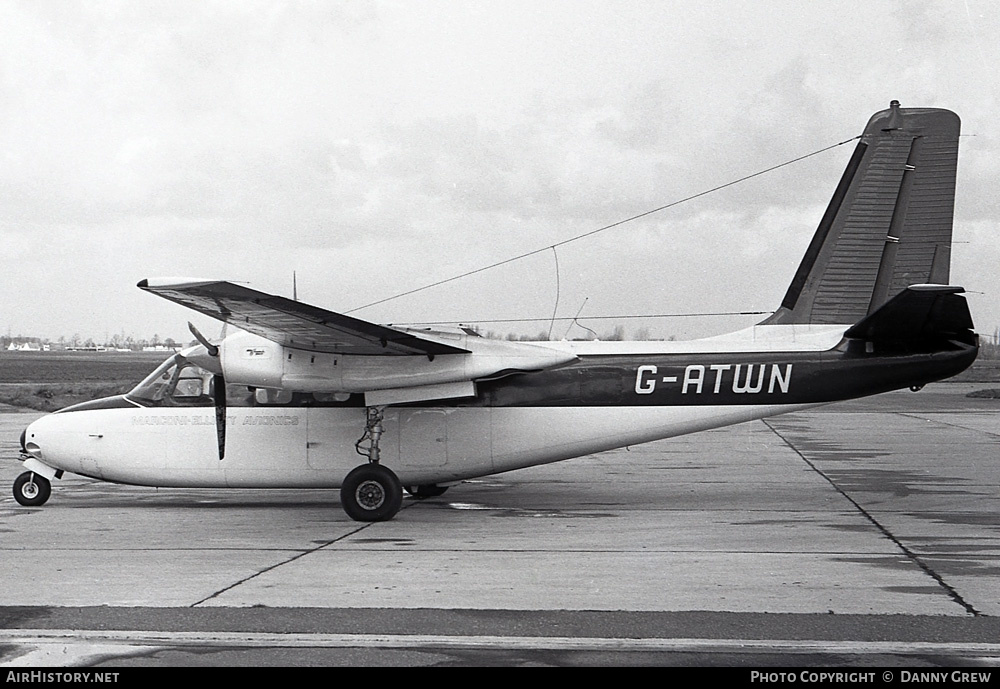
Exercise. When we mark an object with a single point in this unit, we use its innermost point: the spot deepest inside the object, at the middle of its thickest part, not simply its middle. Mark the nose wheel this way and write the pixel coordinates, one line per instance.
(371, 492)
(32, 490)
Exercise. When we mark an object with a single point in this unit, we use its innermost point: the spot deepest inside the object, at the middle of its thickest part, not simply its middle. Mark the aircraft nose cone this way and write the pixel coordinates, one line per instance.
(29, 446)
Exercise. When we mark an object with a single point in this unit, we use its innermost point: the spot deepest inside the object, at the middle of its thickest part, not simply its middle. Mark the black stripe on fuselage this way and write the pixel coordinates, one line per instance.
(114, 402)
(723, 379)
(735, 378)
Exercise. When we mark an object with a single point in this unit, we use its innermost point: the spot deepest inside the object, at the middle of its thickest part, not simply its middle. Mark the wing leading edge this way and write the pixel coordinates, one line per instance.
(292, 323)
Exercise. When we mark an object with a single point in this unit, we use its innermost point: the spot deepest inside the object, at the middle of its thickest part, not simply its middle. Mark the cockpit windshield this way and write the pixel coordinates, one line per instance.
(153, 386)
(176, 382)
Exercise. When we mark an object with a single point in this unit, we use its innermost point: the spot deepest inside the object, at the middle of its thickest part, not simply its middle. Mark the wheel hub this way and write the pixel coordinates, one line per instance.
(29, 490)
(370, 495)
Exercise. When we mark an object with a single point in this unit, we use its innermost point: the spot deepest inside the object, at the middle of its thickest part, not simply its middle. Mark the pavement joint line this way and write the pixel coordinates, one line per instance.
(916, 559)
(48, 637)
(915, 415)
(286, 561)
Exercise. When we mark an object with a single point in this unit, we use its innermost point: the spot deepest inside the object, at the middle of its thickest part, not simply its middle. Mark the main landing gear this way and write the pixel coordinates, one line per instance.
(371, 492)
(32, 490)
(429, 490)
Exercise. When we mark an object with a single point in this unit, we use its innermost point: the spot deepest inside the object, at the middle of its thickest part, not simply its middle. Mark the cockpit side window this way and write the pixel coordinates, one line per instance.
(192, 387)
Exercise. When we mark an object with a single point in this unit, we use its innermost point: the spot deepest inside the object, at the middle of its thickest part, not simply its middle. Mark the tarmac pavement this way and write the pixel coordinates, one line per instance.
(815, 534)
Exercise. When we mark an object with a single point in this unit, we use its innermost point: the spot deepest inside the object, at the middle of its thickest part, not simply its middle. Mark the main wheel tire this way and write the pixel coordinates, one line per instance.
(371, 493)
(428, 490)
(32, 490)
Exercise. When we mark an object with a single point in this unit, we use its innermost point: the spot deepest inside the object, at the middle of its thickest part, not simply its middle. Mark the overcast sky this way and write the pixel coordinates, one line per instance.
(376, 147)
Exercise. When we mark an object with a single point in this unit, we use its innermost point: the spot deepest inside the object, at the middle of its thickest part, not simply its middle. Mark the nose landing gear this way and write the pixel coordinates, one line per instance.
(371, 492)
(32, 490)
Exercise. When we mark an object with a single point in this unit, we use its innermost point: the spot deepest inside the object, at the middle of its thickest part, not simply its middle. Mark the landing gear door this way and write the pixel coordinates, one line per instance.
(331, 434)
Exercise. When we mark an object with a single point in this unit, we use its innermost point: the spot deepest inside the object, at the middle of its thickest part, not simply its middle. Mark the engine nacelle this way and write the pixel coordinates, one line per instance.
(251, 360)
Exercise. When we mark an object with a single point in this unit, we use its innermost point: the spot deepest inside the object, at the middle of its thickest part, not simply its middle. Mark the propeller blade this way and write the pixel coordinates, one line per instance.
(213, 350)
(220, 413)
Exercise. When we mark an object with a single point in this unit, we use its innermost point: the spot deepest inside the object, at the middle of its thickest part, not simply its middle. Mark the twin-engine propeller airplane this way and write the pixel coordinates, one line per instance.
(297, 391)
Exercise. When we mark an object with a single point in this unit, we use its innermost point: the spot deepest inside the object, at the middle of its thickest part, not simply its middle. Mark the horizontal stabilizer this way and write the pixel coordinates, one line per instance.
(918, 312)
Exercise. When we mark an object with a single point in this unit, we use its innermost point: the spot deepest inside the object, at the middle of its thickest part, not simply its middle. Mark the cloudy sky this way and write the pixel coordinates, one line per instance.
(374, 147)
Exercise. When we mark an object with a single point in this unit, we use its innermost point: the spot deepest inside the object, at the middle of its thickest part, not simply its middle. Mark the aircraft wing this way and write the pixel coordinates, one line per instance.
(292, 323)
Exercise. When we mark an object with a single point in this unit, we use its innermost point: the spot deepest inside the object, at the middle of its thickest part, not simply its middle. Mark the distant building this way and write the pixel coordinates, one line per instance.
(27, 347)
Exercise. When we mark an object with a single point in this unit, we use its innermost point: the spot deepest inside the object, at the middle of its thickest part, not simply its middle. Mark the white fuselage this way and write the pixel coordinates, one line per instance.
(314, 446)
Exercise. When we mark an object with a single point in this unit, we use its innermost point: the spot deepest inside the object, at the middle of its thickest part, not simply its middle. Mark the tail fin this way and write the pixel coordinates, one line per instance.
(888, 225)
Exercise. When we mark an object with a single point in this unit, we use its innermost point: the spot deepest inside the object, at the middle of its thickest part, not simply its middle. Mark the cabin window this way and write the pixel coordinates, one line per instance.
(266, 397)
(330, 397)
